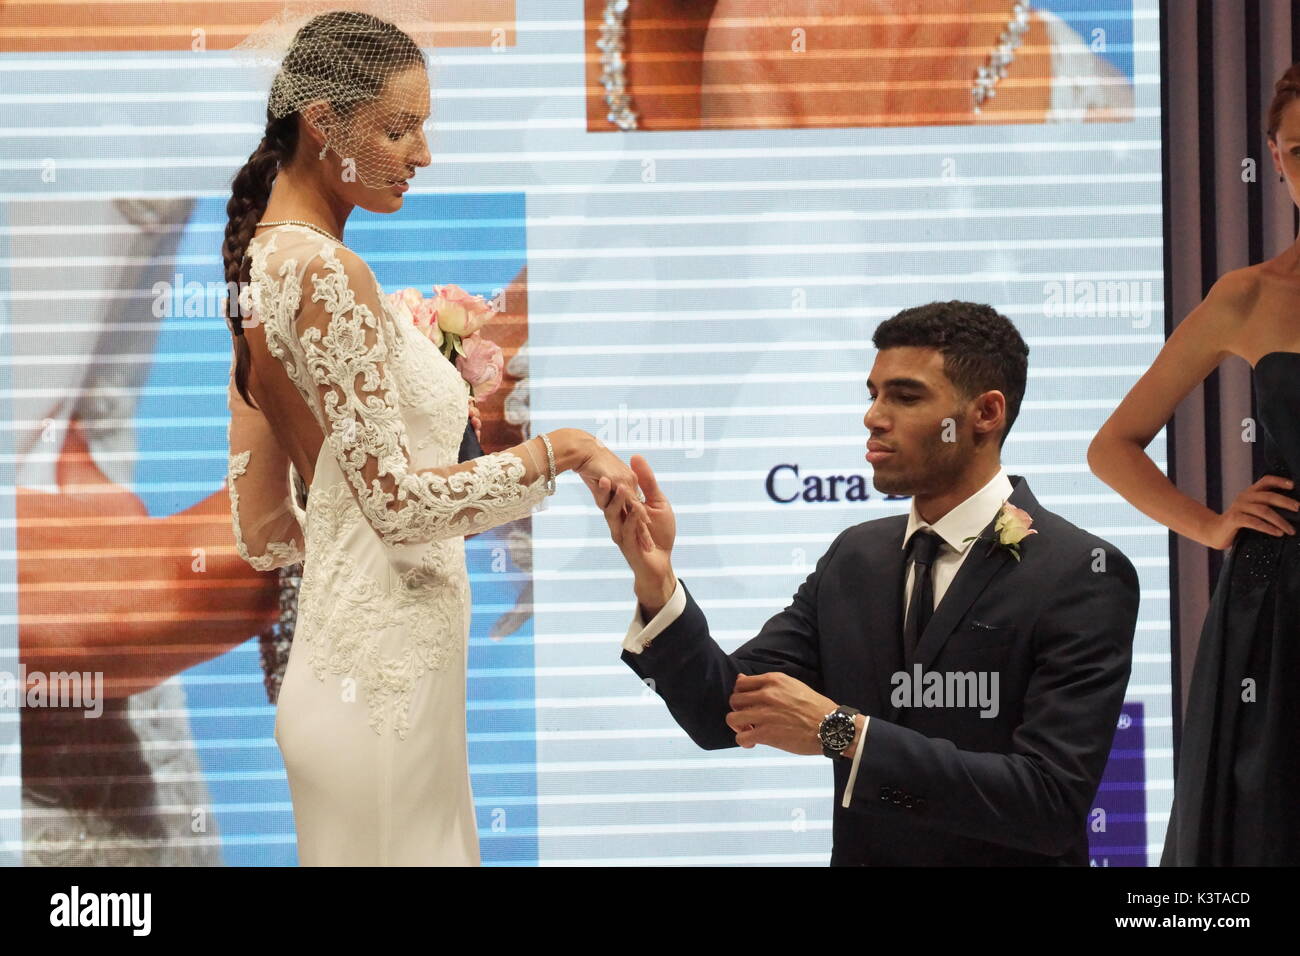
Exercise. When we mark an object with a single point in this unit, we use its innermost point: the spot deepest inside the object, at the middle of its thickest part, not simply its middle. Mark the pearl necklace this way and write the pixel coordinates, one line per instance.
(299, 222)
(622, 113)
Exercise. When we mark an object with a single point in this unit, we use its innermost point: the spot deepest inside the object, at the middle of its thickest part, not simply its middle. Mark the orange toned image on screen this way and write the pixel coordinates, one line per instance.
(773, 64)
(41, 26)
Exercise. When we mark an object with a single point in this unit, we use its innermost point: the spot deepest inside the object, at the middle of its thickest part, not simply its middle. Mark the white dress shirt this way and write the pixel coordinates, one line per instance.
(963, 521)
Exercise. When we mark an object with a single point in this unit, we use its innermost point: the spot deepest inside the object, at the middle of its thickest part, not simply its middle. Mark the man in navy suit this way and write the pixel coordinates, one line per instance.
(966, 692)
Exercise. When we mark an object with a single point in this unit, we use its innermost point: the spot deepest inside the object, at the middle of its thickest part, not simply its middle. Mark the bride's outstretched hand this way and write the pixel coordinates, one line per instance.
(602, 465)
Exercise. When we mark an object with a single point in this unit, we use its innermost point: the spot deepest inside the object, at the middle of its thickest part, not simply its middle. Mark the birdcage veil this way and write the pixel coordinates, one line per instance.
(350, 67)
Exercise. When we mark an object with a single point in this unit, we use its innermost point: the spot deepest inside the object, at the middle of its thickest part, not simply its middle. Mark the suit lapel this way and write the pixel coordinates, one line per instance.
(974, 575)
(883, 616)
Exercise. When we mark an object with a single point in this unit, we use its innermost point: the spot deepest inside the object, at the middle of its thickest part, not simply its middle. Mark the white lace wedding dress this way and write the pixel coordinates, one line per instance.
(371, 713)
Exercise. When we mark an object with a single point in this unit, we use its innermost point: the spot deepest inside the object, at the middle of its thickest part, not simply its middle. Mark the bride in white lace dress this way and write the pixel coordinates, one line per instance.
(357, 401)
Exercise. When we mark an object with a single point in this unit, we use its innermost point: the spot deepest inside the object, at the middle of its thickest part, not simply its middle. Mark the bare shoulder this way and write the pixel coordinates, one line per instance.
(1234, 293)
(1246, 311)
(1212, 331)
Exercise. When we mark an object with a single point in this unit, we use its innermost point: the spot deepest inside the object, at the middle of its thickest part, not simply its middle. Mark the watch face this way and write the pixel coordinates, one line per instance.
(837, 731)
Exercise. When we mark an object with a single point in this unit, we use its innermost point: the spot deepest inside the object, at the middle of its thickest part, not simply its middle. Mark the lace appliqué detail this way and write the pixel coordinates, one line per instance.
(423, 507)
(345, 616)
(384, 630)
(428, 392)
(278, 553)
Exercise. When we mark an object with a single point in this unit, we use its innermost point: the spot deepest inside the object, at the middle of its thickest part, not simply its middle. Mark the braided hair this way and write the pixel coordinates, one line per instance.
(249, 193)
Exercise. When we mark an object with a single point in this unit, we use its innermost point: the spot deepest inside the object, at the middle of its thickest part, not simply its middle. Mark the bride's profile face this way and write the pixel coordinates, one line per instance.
(379, 148)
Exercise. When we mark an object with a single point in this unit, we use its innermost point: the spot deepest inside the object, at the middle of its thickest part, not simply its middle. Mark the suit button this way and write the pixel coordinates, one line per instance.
(884, 793)
(907, 801)
(920, 803)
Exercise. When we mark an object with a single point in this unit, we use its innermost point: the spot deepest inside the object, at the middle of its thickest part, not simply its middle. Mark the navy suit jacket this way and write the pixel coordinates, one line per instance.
(942, 785)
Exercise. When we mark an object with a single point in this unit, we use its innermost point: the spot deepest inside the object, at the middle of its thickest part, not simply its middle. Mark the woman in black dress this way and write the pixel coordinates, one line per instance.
(1237, 795)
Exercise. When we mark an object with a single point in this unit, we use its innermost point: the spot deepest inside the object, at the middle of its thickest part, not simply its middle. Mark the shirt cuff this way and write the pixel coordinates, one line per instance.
(640, 634)
(853, 770)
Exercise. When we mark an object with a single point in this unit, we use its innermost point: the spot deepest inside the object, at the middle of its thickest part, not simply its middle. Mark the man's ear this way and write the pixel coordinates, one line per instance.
(991, 408)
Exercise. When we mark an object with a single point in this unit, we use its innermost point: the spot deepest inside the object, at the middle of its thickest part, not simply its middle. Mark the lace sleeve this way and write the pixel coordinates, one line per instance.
(345, 349)
(267, 532)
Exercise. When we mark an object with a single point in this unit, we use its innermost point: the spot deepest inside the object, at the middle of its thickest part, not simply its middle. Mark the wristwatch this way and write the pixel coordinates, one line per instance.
(837, 730)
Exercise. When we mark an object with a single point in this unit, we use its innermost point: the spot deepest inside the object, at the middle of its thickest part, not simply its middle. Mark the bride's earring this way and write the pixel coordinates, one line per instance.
(322, 151)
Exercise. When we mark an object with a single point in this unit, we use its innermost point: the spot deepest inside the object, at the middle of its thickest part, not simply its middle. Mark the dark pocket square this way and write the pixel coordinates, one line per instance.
(981, 638)
(982, 626)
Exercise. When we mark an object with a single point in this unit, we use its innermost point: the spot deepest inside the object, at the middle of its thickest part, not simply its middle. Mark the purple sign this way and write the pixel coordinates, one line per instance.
(1117, 822)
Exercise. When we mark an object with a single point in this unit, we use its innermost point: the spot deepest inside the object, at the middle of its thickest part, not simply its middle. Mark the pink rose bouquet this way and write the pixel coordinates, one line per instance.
(452, 320)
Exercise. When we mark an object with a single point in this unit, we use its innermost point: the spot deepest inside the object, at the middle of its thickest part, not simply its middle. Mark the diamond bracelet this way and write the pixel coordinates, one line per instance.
(550, 463)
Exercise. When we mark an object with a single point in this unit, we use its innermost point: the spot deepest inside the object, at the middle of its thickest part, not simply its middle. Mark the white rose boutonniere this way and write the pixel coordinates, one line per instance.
(1010, 528)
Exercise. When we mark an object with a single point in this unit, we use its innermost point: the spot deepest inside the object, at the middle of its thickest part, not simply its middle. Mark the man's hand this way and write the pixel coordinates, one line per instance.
(646, 544)
(777, 710)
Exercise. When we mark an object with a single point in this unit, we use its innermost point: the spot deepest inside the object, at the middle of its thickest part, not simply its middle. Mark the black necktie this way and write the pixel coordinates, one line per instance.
(921, 548)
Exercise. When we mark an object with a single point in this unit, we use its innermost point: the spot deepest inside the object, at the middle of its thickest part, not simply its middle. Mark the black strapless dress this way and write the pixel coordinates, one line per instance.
(1237, 795)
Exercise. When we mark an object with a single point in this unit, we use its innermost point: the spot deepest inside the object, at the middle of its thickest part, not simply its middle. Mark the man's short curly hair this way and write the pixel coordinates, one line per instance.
(981, 349)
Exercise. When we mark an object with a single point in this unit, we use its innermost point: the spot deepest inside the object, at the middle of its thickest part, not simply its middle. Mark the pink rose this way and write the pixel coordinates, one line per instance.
(481, 365)
(400, 303)
(425, 317)
(410, 306)
(459, 312)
